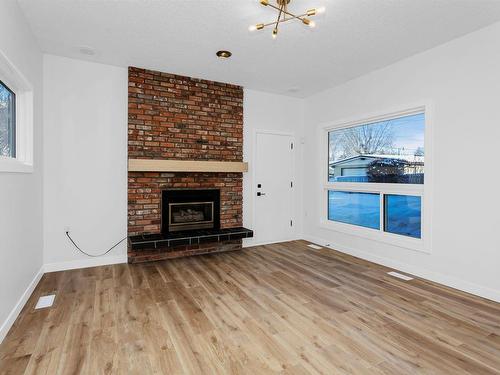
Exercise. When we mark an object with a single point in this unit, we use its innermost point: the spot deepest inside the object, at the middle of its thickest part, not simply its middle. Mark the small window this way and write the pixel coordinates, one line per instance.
(355, 208)
(7, 122)
(403, 215)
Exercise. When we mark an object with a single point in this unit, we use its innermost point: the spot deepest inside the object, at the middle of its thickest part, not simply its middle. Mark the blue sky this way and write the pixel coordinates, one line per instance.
(407, 135)
(409, 132)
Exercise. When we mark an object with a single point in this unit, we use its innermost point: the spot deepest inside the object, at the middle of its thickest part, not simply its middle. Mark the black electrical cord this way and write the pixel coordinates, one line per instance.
(91, 255)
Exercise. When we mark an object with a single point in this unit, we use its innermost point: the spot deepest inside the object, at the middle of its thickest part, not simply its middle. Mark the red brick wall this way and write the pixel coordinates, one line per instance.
(175, 117)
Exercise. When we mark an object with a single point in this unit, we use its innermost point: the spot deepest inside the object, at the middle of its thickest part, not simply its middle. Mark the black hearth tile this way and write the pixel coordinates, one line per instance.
(237, 236)
(224, 237)
(134, 239)
(151, 237)
(179, 241)
(206, 239)
(162, 243)
(186, 234)
(142, 245)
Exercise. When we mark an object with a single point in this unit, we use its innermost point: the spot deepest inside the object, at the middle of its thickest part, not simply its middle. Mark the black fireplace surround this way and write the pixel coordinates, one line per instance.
(184, 210)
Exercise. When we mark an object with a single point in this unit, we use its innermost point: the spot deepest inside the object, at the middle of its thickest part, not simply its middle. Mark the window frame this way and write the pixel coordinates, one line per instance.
(422, 244)
(16, 82)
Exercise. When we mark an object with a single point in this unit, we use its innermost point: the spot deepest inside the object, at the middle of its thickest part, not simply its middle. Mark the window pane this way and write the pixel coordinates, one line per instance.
(389, 151)
(7, 122)
(354, 208)
(403, 215)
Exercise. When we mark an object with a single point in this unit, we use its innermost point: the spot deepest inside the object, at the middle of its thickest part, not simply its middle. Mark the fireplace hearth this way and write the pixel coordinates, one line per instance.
(190, 225)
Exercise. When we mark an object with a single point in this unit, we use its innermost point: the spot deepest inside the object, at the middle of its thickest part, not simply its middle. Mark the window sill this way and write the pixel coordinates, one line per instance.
(377, 235)
(10, 165)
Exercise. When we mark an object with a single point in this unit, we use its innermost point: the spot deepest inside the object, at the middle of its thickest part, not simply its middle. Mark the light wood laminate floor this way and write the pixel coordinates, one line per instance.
(277, 309)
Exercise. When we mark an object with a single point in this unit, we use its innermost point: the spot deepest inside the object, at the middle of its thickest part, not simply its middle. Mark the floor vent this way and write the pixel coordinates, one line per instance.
(45, 301)
(315, 247)
(400, 276)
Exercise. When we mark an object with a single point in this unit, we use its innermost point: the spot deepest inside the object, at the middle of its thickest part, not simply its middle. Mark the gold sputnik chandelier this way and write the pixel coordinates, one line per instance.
(284, 16)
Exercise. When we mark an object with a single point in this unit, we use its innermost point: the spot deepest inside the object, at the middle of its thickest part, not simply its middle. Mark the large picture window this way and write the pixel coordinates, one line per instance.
(375, 175)
(388, 151)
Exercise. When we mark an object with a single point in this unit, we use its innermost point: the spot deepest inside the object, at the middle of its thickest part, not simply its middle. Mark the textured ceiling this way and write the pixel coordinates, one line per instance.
(352, 38)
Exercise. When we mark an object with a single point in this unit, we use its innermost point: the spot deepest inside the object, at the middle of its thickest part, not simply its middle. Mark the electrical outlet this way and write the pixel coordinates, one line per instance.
(66, 229)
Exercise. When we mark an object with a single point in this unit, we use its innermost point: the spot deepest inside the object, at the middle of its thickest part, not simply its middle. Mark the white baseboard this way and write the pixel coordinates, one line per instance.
(11, 318)
(439, 278)
(85, 263)
(251, 243)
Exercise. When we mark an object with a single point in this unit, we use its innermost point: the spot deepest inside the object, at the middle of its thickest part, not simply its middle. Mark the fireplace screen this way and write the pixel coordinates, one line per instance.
(191, 215)
(190, 209)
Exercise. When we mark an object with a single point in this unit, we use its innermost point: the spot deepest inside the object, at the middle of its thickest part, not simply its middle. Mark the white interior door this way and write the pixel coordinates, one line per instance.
(273, 187)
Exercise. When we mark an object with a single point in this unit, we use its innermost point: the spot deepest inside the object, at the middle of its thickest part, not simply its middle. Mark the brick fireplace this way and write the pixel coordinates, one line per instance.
(172, 117)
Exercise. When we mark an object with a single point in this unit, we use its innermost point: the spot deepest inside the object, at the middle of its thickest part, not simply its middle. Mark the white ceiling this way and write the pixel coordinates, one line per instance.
(352, 38)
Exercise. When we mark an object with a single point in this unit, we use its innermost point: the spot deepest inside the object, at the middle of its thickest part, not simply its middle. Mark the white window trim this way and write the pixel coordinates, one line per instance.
(15, 80)
(423, 244)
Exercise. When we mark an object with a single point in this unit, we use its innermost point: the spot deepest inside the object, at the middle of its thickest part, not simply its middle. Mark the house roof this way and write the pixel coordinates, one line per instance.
(408, 158)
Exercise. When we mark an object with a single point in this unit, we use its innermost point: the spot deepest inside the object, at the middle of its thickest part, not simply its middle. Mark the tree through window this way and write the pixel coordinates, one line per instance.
(7, 121)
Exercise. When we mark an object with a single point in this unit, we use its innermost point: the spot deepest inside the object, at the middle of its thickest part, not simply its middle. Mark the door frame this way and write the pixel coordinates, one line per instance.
(256, 132)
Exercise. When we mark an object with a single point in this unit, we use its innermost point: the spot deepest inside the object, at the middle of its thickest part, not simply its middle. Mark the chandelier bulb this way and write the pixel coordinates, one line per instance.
(312, 24)
(320, 10)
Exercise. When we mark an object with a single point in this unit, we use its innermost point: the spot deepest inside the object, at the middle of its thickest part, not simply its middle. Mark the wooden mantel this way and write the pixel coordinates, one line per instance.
(161, 165)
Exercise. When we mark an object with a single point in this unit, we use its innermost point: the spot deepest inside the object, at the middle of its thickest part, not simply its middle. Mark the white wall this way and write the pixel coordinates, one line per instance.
(462, 81)
(263, 111)
(85, 161)
(20, 193)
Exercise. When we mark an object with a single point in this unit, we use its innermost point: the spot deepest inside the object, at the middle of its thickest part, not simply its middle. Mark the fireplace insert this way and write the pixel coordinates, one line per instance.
(190, 209)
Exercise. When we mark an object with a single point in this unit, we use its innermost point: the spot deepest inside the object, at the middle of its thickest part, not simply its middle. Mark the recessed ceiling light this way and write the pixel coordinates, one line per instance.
(86, 50)
(224, 54)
